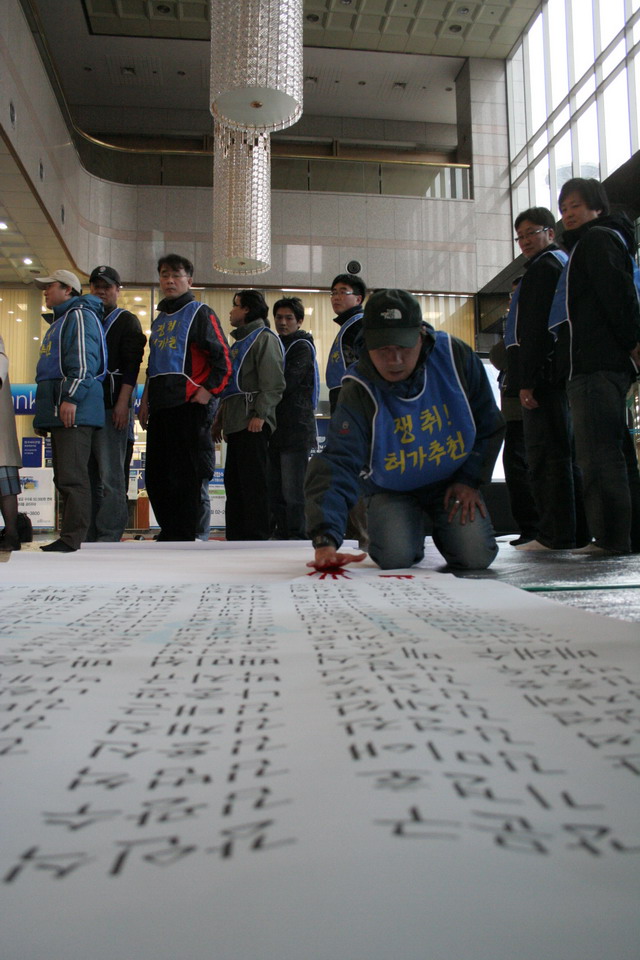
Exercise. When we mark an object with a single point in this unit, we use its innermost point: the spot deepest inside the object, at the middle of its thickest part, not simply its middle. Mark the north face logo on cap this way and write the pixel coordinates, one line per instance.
(391, 314)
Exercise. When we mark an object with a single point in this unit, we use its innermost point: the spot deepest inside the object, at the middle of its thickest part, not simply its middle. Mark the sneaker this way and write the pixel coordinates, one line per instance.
(533, 545)
(520, 541)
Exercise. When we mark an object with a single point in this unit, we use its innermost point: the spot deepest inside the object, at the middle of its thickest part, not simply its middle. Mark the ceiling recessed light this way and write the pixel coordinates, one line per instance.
(3, 225)
(362, 83)
(128, 71)
(36, 338)
(138, 299)
(312, 17)
(18, 319)
(27, 261)
(463, 11)
(163, 8)
(455, 28)
(448, 89)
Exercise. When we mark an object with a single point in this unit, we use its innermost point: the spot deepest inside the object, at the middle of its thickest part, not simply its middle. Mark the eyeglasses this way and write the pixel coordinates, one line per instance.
(531, 233)
(343, 293)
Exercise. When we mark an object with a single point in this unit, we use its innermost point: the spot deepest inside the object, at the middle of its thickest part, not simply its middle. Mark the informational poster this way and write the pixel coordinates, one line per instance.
(37, 496)
(369, 766)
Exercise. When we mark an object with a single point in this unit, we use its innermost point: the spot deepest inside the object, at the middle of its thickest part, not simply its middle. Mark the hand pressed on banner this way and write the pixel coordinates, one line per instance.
(328, 558)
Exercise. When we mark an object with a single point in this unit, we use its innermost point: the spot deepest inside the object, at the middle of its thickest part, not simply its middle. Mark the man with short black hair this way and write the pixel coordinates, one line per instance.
(125, 347)
(189, 366)
(531, 376)
(69, 398)
(597, 299)
(417, 420)
(347, 296)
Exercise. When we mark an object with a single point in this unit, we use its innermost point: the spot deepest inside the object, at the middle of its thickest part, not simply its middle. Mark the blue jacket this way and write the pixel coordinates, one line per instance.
(76, 334)
(334, 478)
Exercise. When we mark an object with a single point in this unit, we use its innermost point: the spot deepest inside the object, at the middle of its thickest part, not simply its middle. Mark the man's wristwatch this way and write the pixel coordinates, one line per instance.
(322, 540)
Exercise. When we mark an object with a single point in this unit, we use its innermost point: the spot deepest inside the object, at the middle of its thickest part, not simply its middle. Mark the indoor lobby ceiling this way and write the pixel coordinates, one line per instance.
(376, 59)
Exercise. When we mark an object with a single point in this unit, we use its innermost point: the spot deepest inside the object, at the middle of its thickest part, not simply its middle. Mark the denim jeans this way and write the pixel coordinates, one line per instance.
(109, 513)
(598, 408)
(286, 492)
(397, 530)
(555, 478)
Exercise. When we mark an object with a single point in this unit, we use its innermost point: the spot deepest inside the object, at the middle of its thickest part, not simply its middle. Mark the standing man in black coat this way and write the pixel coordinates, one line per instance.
(295, 436)
(598, 300)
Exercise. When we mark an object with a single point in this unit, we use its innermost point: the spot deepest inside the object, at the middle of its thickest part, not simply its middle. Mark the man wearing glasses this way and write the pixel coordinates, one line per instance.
(532, 376)
(347, 295)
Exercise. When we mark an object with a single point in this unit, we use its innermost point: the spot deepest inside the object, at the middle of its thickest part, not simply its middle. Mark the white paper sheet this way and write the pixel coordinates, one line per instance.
(201, 765)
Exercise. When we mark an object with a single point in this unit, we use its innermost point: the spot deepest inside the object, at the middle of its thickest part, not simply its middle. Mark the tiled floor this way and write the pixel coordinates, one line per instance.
(606, 585)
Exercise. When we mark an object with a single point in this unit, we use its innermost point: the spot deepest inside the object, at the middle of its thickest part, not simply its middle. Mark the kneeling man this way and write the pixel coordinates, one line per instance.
(417, 427)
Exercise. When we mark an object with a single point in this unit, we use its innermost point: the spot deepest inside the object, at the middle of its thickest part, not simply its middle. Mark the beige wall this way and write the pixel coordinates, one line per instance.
(435, 245)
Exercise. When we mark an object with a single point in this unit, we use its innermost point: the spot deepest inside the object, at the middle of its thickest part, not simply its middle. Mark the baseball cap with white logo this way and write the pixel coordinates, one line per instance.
(391, 318)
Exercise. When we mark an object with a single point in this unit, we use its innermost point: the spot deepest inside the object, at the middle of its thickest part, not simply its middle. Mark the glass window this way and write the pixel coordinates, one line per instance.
(562, 156)
(614, 58)
(588, 150)
(542, 193)
(585, 91)
(615, 112)
(559, 67)
(517, 118)
(611, 20)
(535, 71)
(582, 38)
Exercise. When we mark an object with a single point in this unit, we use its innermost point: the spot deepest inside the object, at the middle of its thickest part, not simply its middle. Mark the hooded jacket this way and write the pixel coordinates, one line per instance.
(82, 362)
(602, 300)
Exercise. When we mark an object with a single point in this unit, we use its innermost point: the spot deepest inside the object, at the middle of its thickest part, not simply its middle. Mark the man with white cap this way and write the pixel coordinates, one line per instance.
(125, 347)
(69, 399)
(417, 428)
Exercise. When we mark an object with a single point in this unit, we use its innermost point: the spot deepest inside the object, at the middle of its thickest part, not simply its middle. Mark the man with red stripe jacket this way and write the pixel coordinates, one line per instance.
(189, 367)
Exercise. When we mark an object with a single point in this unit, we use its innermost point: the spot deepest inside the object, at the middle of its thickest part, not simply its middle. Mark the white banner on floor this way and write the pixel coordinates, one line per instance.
(401, 766)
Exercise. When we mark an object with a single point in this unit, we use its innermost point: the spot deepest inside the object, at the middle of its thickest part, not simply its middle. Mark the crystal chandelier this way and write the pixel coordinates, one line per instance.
(256, 63)
(241, 200)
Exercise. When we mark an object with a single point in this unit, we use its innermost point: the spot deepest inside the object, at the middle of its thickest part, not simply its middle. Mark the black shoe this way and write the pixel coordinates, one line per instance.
(7, 544)
(58, 546)
(520, 541)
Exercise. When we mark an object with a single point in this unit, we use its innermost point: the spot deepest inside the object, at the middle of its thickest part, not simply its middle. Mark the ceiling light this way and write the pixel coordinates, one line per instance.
(463, 11)
(3, 225)
(138, 299)
(128, 71)
(312, 17)
(27, 261)
(36, 338)
(18, 319)
(455, 28)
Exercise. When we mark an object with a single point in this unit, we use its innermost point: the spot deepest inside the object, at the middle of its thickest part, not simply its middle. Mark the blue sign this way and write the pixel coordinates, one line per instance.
(32, 451)
(24, 398)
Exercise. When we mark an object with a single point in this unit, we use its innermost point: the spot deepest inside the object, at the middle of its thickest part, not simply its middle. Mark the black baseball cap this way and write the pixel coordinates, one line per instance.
(106, 273)
(391, 318)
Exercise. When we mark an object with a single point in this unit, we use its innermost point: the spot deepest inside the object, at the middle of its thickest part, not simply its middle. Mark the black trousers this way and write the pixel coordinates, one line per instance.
(518, 480)
(178, 456)
(246, 485)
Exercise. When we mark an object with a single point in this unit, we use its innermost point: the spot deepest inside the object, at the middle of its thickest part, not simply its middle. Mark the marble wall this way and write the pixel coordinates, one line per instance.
(425, 245)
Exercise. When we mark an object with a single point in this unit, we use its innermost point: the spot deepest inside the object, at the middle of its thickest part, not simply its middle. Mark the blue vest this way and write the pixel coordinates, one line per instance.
(238, 353)
(315, 396)
(420, 440)
(168, 340)
(336, 366)
(50, 360)
(511, 337)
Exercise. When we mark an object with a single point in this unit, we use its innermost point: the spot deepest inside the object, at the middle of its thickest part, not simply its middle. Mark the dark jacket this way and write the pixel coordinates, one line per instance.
(207, 360)
(295, 419)
(603, 305)
(333, 482)
(352, 344)
(529, 362)
(125, 346)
